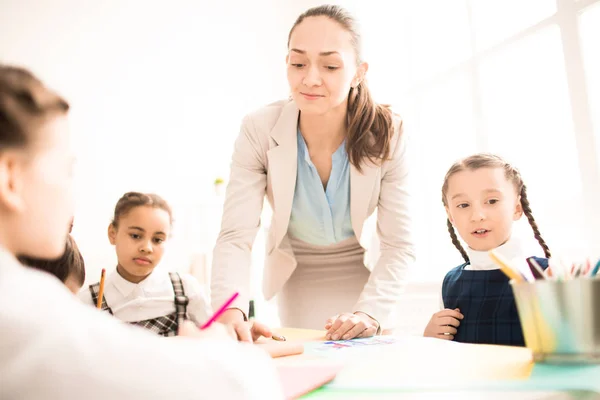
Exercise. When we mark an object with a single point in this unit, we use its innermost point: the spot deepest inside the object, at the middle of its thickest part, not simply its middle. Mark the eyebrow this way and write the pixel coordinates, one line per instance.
(137, 228)
(486, 191)
(323, 53)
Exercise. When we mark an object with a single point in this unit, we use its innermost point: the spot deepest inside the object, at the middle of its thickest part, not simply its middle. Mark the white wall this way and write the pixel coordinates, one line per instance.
(157, 94)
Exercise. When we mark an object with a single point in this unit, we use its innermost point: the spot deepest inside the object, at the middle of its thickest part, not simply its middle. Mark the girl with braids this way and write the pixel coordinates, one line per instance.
(325, 159)
(483, 196)
(52, 345)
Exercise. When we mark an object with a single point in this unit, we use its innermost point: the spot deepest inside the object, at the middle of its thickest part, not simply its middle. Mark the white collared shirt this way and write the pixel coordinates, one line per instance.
(151, 298)
(481, 261)
(54, 347)
(511, 251)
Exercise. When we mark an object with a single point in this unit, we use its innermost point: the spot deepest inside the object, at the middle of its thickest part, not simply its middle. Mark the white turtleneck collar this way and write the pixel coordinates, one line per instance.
(7, 258)
(481, 261)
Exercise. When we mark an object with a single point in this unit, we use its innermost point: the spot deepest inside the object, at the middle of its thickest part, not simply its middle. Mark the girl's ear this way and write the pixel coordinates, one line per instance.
(112, 233)
(518, 210)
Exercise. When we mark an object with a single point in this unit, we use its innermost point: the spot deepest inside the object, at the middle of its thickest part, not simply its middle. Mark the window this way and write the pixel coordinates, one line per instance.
(528, 120)
(590, 40)
(444, 112)
(487, 75)
(494, 21)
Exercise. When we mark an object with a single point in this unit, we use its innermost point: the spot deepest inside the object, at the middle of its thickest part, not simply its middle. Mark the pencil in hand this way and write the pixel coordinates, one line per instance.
(101, 290)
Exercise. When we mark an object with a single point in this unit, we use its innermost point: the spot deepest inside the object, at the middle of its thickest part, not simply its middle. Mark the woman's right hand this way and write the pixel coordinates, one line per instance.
(246, 331)
(235, 318)
(444, 324)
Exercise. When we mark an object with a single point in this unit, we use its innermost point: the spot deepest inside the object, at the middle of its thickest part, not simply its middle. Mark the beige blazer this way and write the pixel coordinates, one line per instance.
(264, 162)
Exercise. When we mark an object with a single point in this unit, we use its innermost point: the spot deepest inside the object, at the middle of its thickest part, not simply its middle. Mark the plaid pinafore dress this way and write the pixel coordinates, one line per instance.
(166, 325)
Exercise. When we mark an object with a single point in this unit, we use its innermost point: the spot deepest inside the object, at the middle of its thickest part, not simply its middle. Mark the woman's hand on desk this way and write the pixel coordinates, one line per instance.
(251, 331)
(349, 326)
(444, 324)
(246, 331)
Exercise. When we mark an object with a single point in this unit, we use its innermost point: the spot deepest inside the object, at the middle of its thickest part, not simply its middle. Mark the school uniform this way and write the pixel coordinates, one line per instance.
(55, 347)
(485, 298)
(159, 303)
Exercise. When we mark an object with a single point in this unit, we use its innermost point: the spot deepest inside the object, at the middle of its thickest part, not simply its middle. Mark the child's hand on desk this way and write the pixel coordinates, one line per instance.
(215, 331)
(349, 326)
(444, 324)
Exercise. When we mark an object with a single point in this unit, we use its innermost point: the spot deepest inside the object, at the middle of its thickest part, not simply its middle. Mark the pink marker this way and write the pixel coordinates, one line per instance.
(220, 311)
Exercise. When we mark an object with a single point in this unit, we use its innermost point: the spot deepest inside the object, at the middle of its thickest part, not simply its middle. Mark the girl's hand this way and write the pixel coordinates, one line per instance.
(444, 324)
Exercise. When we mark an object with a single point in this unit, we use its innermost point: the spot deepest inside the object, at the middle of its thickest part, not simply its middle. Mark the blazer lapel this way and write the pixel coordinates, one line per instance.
(283, 166)
(361, 191)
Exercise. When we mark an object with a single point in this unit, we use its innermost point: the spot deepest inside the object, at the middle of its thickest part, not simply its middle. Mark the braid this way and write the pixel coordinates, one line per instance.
(534, 227)
(456, 242)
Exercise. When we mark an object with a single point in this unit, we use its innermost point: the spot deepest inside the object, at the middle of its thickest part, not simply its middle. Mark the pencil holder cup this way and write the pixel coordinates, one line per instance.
(560, 319)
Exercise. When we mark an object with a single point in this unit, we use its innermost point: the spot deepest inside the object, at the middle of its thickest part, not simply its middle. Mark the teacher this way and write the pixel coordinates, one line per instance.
(325, 159)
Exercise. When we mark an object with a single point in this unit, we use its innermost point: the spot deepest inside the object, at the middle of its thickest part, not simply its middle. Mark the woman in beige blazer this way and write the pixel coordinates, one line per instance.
(326, 160)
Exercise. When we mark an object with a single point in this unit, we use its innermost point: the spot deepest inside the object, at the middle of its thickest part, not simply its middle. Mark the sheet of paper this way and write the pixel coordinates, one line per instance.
(346, 348)
(297, 380)
(417, 363)
(411, 361)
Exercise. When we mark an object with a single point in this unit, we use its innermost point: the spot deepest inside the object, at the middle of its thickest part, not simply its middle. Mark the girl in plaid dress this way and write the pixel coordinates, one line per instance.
(483, 196)
(138, 291)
